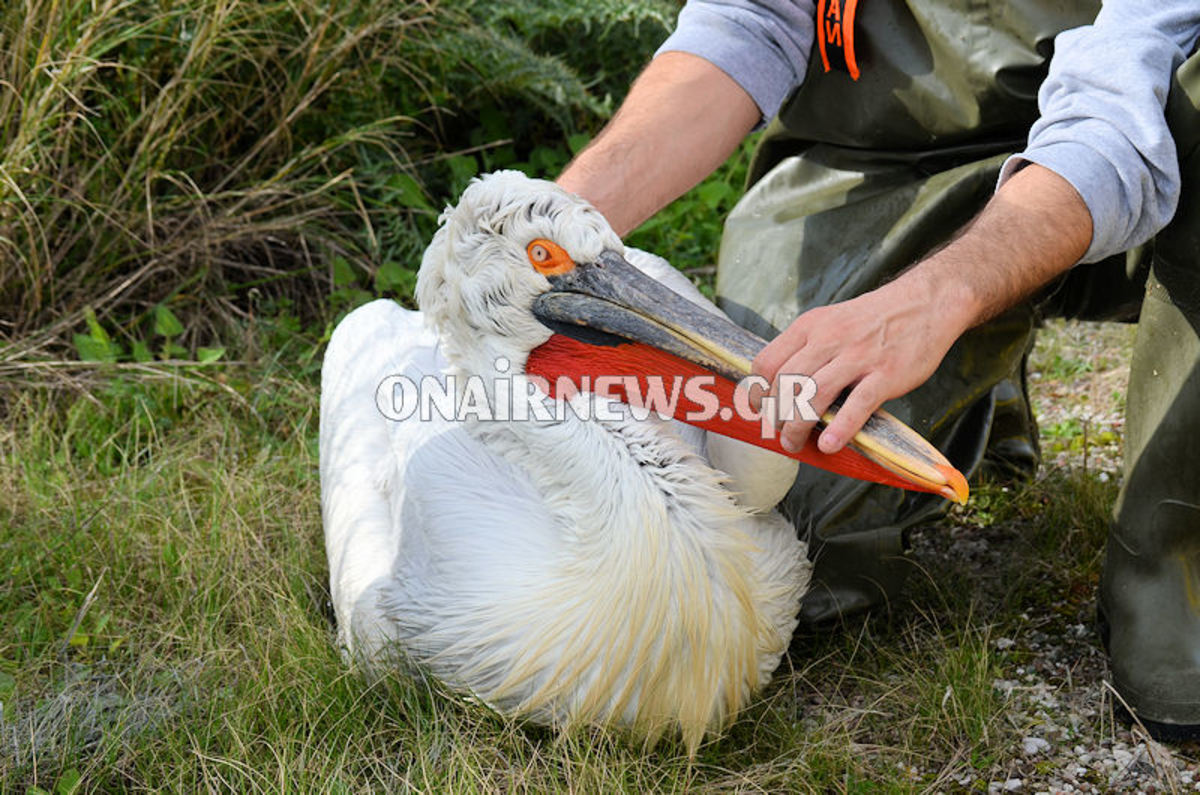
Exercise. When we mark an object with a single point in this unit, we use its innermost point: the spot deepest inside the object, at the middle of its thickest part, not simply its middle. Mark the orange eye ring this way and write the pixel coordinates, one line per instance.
(548, 258)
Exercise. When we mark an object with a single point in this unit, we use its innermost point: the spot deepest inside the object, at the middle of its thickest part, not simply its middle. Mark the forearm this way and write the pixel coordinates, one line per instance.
(682, 118)
(1033, 230)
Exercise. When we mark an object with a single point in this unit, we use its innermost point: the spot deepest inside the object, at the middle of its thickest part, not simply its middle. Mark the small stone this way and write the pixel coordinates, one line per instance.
(1004, 644)
(1005, 686)
(1013, 784)
(1034, 745)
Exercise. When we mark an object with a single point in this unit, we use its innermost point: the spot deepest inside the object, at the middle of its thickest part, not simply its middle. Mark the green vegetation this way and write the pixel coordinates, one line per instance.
(226, 158)
(191, 194)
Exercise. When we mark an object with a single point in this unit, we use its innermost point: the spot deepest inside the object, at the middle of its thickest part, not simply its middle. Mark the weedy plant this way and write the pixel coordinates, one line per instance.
(208, 155)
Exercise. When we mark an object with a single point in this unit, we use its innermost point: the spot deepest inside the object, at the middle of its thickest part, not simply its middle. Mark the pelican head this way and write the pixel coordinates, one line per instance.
(493, 256)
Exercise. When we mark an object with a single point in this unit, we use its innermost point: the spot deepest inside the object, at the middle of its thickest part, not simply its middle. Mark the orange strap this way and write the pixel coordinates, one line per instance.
(835, 35)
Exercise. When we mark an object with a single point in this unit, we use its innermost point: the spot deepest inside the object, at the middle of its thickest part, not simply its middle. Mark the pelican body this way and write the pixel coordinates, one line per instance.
(590, 566)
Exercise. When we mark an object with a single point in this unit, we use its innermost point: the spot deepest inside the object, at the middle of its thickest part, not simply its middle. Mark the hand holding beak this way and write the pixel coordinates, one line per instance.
(875, 347)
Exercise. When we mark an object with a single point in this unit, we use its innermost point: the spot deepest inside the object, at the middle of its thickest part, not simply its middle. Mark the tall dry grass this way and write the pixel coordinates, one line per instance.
(187, 153)
(151, 155)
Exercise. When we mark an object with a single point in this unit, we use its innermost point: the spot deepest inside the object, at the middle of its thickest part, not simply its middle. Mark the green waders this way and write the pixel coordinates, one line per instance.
(856, 180)
(1150, 588)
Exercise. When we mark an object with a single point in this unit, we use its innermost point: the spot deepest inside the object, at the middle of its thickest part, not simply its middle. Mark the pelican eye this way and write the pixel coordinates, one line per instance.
(548, 257)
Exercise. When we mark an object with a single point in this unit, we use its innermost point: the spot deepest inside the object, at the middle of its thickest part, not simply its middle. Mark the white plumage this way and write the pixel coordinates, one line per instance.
(573, 571)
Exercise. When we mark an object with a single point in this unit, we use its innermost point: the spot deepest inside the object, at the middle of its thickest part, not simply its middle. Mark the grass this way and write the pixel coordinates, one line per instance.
(163, 590)
(1079, 375)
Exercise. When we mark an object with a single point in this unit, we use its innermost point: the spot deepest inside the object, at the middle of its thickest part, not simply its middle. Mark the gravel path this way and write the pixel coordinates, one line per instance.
(1062, 706)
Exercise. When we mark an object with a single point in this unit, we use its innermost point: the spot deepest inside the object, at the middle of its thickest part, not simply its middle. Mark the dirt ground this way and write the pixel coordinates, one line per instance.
(1060, 697)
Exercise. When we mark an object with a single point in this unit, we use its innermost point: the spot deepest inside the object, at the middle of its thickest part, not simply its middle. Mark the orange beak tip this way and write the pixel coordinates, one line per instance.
(956, 488)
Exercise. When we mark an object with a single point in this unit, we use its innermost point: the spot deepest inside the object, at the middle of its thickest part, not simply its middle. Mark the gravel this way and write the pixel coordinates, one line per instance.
(1060, 703)
(1060, 709)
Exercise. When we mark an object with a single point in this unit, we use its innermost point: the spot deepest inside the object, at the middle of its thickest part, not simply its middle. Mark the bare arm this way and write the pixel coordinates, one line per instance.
(889, 341)
(683, 117)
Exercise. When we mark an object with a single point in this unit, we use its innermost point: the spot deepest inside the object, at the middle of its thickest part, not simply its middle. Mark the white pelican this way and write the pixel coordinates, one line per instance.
(577, 570)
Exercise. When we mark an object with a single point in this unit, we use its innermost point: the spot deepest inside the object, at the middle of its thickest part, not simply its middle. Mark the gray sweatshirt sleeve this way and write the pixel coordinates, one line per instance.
(763, 45)
(1102, 126)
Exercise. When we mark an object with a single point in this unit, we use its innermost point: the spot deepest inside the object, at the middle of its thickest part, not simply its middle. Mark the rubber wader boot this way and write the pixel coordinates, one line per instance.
(1150, 588)
(1013, 452)
(855, 181)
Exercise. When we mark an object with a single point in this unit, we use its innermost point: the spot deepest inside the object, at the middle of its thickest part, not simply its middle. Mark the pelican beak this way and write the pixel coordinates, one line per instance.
(610, 302)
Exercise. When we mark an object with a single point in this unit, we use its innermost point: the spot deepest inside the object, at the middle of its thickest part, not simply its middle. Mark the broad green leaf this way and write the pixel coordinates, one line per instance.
(141, 352)
(206, 355)
(713, 193)
(462, 168)
(91, 349)
(396, 277)
(165, 322)
(578, 141)
(343, 273)
(94, 328)
(546, 160)
(68, 782)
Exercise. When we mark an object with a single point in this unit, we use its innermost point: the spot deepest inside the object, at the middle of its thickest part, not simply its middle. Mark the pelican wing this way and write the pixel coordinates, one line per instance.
(415, 510)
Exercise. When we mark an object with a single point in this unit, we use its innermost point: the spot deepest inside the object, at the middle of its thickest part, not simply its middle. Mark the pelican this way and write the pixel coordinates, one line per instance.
(597, 566)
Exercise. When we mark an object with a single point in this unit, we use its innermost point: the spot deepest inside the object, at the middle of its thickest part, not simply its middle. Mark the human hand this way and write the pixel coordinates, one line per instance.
(880, 345)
